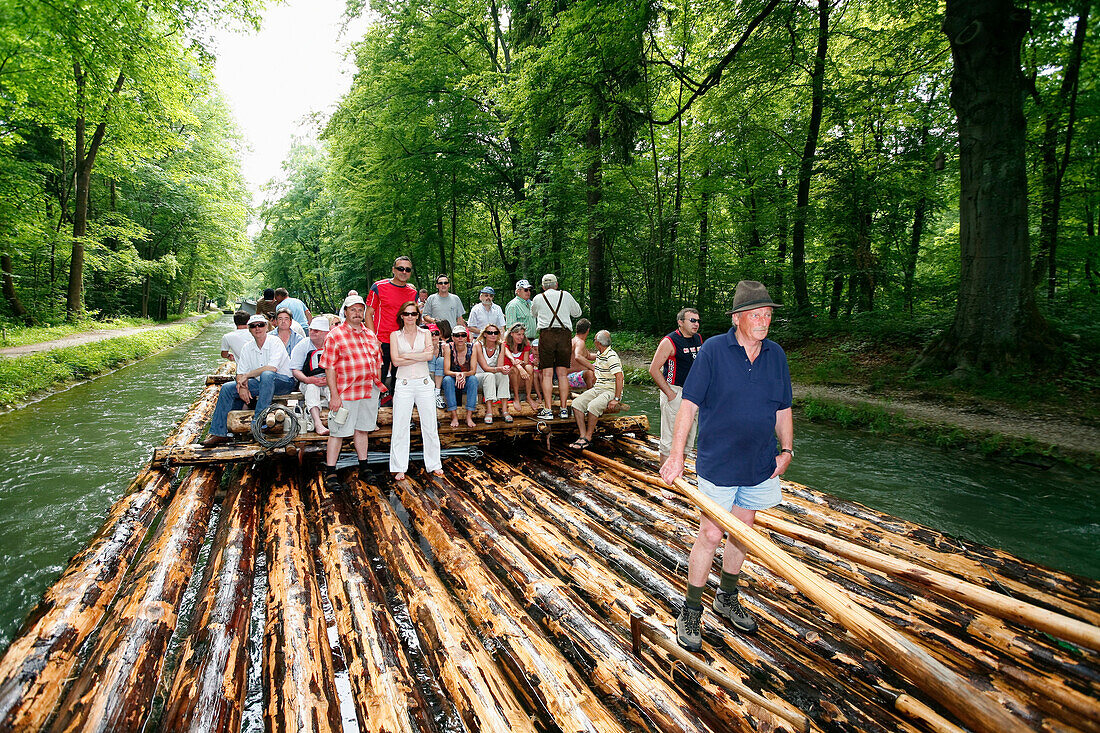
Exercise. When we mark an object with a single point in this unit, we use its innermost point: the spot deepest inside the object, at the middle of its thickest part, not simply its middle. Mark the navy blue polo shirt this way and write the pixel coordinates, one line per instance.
(737, 404)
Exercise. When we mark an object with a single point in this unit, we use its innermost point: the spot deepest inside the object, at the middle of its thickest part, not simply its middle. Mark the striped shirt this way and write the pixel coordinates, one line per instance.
(607, 365)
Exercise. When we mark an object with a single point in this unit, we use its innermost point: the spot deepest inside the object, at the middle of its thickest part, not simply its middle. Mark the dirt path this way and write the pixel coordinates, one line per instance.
(1046, 429)
(87, 337)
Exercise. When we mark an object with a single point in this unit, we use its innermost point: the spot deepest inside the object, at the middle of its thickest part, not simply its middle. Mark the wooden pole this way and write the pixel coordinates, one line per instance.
(948, 688)
(211, 682)
(115, 690)
(298, 675)
(546, 673)
(475, 684)
(386, 698)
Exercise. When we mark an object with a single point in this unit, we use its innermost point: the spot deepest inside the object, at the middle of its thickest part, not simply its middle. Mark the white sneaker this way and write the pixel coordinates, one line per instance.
(440, 402)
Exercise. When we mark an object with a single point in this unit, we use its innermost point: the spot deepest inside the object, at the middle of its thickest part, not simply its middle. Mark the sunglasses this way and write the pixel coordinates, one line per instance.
(258, 325)
(402, 269)
(442, 282)
(492, 333)
(413, 313)
(459, 335)
(692, 320)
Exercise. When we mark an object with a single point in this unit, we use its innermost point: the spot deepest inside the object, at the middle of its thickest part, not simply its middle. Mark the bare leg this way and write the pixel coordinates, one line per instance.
(702, 551)
(592, 420)
(547, 388)
(580, 421)
(454, 418)
(332, 450)
(734, 554)
(563, 386)
(318, 428)
(360, 441)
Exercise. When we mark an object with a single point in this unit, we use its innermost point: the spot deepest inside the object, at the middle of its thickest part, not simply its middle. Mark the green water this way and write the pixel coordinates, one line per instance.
(70, 456)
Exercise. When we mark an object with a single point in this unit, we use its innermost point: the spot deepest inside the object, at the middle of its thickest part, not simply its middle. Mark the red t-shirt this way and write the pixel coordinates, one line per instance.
(386, 297)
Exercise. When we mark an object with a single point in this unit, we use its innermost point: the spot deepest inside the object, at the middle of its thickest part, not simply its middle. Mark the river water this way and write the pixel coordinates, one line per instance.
(70, 456)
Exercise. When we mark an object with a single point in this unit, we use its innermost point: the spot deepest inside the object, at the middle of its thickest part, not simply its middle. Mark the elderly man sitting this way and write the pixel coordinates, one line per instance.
(263, 371)
(305, 365)
(608, 389)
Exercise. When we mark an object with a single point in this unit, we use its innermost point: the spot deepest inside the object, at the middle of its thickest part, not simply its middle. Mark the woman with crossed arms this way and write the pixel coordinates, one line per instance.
(410, 351)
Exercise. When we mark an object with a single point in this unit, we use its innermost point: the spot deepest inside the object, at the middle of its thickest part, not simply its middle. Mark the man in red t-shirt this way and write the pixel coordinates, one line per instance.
(383, 301)
(351, 360)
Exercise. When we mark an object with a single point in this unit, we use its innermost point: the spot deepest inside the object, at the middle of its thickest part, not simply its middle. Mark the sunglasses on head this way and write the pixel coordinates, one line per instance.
(402, 269)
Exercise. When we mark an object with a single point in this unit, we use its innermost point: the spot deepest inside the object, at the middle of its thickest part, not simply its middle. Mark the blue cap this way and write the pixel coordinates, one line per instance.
(488, 290)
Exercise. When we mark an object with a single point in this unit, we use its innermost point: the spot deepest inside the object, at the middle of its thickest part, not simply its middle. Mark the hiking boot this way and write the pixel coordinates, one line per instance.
(544, 414)
(332, 484)
(728, 606)
(688, 634)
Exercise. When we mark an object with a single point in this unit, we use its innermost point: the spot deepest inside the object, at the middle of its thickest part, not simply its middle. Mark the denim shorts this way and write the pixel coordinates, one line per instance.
(764, 495)
(435, 366)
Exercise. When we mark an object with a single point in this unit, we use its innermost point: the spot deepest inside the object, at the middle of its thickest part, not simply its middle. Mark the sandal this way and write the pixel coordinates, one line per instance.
(580, 444)
(507, 417)
(399, 477)
(488, 419)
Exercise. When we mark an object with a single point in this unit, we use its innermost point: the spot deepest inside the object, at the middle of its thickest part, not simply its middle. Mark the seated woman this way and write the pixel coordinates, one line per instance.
(441, 334)
(411, 350)
(517, 355)
(492, 372)
(459, 375)
(283, 330)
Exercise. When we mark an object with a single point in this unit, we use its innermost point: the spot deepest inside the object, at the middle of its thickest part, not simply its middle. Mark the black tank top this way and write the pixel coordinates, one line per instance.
(684, 351)
(455, 365)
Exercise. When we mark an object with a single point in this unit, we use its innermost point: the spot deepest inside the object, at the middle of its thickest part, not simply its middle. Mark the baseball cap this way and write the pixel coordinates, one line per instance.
(549, 280)
(433, 328)
(458, 329)
(523, 284)
(488, 290)
(353, 300)
(320, 323)
(257, 318)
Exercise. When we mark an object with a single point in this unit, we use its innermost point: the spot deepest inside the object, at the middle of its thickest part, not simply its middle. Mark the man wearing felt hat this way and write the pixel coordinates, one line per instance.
(740, 387)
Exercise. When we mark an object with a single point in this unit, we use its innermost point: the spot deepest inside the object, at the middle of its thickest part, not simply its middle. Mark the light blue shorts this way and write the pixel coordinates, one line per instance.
(435, 366)
(764, 495)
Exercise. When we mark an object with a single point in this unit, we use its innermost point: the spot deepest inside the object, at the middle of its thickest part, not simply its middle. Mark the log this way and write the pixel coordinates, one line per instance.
(38, 665)
(609, 666)
(559, 690)
(471, 677)
(115, 690)
(948, 688)
(211, 682)
(386, 700)
(298, 674)
(997, 604)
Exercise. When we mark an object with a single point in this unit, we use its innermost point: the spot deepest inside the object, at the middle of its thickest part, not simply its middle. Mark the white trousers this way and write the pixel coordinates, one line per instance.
(669, 408)
(494, 386)
(419, 392)
(314, 395)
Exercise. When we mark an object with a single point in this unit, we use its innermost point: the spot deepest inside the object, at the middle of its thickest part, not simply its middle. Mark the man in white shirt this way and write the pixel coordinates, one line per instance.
(484, 313)
(263, 371)
(554, 311)
(444, 305)
(234, 341)
(305, 365)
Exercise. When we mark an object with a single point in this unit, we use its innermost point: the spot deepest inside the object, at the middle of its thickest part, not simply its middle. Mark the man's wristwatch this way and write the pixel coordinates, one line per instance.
(787, 450)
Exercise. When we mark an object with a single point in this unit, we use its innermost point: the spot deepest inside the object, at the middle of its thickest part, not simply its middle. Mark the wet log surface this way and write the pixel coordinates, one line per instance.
(501, 598)
(208, 692)
(115, 689)
(39, 664)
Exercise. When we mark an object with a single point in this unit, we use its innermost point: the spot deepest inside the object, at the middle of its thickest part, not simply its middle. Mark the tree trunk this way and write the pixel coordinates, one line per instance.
(996, 321)
(806, 167)
(1092, 275)
(597, 274)
(911, 254)
(1053, 169)
(10, 295)
(704, 239)
(781, 254)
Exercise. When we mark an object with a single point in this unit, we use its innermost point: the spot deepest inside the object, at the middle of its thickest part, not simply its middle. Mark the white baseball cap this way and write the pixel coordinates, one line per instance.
(319, 323)
(354, 300)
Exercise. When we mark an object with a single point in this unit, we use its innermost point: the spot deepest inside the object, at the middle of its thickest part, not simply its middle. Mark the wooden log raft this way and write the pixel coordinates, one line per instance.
(38, 665)
(298, 675)
(386, 700)
(211, 681)
(471, 677)
(647, 699)
(115, 689)
(538, 668)
(197, 455)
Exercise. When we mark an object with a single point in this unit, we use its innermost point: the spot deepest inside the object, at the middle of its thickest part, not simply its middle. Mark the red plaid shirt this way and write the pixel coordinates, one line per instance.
(355, 357)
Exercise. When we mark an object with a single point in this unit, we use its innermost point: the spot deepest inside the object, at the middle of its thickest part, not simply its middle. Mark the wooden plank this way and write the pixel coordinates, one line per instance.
(114, 692)
(211, 682)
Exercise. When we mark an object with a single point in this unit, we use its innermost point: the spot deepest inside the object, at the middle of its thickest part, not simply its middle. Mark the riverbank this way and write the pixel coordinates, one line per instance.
(52, 366)
(1043, 435)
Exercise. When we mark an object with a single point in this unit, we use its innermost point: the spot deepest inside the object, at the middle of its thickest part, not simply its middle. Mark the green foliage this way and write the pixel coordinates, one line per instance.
(16, 335)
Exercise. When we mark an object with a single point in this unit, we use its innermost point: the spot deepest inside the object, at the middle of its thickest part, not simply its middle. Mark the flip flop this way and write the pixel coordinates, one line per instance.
(580, 444)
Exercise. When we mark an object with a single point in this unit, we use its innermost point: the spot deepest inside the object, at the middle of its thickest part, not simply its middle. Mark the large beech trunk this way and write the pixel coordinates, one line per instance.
(300, 692)
(111, 696)
(211, 682)
(543, 672)
(386, 699)
(476, 686)
(38, 665)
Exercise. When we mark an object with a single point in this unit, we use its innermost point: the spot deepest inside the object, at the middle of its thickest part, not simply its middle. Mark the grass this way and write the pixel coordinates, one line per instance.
(23, 377)
(23, 335)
